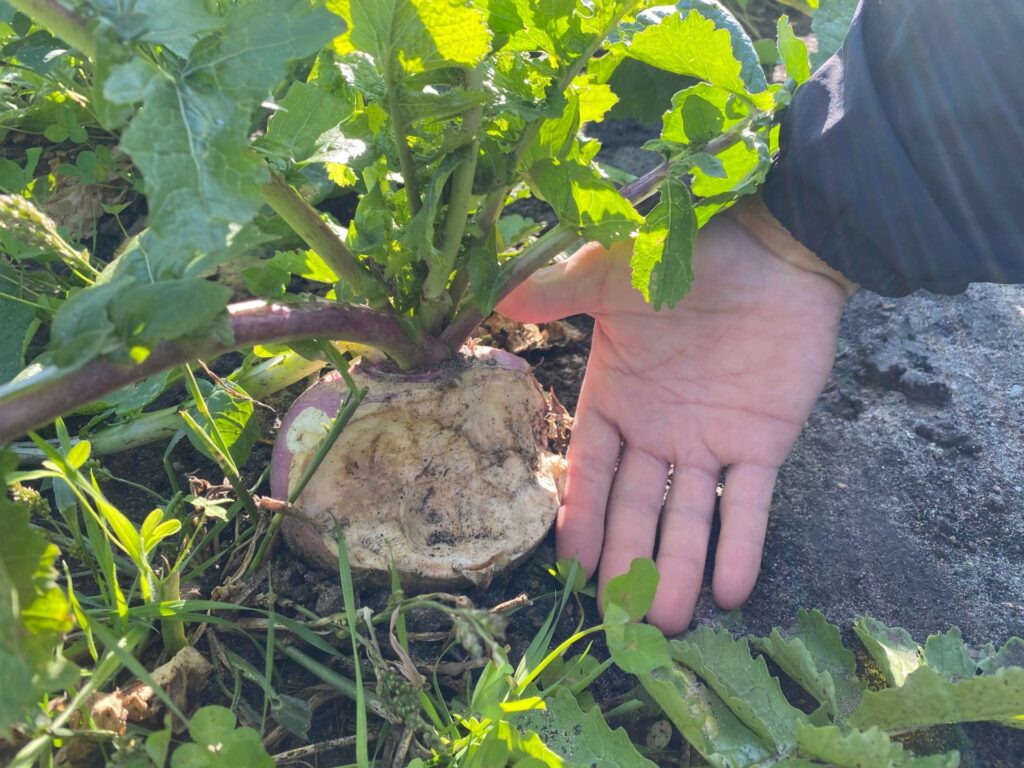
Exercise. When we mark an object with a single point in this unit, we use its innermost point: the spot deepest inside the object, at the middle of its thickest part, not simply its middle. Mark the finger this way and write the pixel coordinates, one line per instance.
(593, 453)
(744, 514)
(633, 511)
(571, 287)
(683, 547)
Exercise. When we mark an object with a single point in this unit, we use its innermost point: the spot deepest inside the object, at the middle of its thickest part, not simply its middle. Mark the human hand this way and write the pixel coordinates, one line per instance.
(725, 379)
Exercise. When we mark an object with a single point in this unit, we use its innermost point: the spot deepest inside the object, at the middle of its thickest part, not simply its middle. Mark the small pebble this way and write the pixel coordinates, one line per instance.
(842, 486)
(1016, 390)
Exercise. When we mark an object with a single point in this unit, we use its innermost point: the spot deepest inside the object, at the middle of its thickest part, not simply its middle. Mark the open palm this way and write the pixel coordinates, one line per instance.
(726, 379)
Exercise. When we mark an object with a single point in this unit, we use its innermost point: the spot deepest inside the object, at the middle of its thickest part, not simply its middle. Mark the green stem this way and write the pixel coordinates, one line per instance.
(533, 257)
(401, 135)
(172, 630)
(433, 306)
(562, 237)
(61, 21)
(261, 381)
(317, 233)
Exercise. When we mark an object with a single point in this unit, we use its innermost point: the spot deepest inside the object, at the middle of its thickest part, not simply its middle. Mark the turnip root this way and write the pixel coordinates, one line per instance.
(445, 473)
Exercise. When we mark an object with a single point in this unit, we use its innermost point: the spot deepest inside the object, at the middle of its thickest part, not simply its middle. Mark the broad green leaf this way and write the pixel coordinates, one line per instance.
(584, 200)
(595, 99)
(306, 125)
(892, 648)
(676, 124)
(947, 655)
(191, 138)
(743, 683)
(17, 320)
(853, 749)
(580, 737)
(637, 648)
(219, 744)
(690, 46)
(702, 120)
(742, 46)
(81, 328)
(662, 260)
(830, 25)
(793, 51)
(926, 698)
(1010, 655)
(814, 656)
(305, 264)
(634, 590)
(157, 21)
(34, 613)
(644, 92)
(420, 35)
(704, 720)
(746, 165)
(168, 309)
(233, 415)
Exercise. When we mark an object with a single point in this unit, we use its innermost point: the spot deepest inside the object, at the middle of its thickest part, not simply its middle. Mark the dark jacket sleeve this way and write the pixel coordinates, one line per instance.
(902, 159)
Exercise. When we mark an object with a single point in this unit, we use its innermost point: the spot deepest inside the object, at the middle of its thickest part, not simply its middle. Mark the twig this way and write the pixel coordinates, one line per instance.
(311, 750)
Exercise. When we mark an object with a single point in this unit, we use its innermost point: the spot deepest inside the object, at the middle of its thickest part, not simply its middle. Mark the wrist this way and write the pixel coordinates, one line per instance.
(753, 216)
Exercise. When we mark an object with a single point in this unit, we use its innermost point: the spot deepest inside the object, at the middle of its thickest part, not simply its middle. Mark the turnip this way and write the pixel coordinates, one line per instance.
(446, 473)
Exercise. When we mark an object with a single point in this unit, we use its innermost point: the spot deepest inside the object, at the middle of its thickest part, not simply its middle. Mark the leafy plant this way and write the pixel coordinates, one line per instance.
(435, 124)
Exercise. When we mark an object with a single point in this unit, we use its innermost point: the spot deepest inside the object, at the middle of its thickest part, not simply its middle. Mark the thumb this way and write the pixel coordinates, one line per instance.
(570, 287)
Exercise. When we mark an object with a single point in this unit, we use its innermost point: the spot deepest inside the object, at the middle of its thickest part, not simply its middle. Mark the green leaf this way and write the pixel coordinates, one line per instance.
(742, 47)
(743, 683)
(947, 655)
(219, 744)
(856, 749)
(157, 21)
(233, 415)
(168, 309)
(830, 25)
(81, 328)
(793, 51)
(704, 720)
(1010, 655)
(892, 648)
(18, 321)
(584, 200)
(676, 123)
(580, 737)
(34, 614)
(421, 35)
(926, 698)
(814, 656)
(191, 138)
(306, 125)
(662, 261)
(637, 648)
(690, 46)
(702, 120)
(305, 264)
(634, 590)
